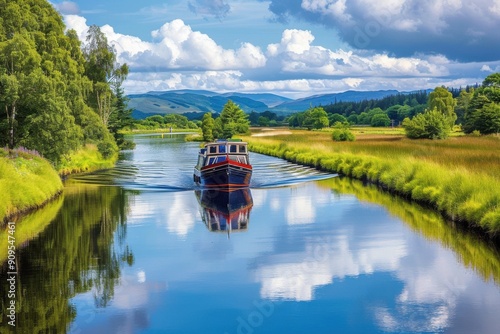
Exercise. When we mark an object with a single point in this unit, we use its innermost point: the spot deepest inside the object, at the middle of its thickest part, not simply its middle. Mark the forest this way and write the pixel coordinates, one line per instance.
(56, 96)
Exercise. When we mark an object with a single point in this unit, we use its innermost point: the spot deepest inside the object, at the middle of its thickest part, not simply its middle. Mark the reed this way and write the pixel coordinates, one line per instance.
(458, 176)
(27, 181)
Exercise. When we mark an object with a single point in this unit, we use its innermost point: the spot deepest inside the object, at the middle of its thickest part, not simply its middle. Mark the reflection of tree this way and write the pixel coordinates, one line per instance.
(472, 251)
(75, 254)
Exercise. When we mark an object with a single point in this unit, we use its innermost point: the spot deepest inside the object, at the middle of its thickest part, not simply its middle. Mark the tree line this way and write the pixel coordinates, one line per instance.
(476, 109)
(55, 95)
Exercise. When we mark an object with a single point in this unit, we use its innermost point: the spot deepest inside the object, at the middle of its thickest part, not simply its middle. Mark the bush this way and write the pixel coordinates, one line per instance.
(342, 132)
(107, 148)
(431, 125)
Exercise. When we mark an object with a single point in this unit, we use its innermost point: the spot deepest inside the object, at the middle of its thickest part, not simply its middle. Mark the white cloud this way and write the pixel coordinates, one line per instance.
(180, 58)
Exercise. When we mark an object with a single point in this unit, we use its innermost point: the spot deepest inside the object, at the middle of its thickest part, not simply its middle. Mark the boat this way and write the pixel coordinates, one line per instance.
(223, 164)
(225, 210)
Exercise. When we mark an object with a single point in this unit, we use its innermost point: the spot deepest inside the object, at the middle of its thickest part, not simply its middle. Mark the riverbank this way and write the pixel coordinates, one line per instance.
(458, 176)
(87, 159)
(27, 182)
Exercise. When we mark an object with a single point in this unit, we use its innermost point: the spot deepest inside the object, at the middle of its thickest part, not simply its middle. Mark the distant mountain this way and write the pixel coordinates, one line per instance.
(325, 99)
(183, 101)
(186, 101)
(271, 100)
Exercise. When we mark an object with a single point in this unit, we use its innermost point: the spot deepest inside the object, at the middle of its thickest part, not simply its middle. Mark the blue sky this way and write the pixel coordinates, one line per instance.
(296, 48)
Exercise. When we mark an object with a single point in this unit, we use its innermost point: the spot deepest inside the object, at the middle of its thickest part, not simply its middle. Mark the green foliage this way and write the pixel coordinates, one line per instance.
(233, 120)
(353, 119)
(334, 118)
(486, 120)
(342, 132)
(431, 125)
(207, 127)
(380, 120)
(315, 118)
(44, 89)
(366, 117)
(442, 100)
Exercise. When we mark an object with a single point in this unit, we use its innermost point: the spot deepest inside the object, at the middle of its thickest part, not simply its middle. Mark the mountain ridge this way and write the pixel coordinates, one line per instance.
(185, 100)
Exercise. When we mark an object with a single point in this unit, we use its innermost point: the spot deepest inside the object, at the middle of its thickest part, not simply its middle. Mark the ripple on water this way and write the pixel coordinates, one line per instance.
(173, 171)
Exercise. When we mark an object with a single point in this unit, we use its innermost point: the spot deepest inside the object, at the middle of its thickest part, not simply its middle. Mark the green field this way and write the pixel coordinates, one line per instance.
(458, 176)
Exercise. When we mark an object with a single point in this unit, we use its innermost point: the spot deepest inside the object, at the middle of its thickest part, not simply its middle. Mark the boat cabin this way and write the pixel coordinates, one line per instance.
(222, 150)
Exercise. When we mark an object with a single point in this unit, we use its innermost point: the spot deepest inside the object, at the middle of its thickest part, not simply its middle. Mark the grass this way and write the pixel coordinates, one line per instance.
(457, 176)
(87, 159)
(27, 181)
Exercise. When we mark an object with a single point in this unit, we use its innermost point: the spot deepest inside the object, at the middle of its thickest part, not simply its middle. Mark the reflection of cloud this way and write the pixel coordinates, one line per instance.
(295, 275)
(429, 297)
(180, 217)
(300, 210)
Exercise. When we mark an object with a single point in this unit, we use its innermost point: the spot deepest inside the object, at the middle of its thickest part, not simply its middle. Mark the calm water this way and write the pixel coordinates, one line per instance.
(137, 249)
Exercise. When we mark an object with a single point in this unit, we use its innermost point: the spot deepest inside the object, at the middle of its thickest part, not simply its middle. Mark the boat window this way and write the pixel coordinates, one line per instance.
(233, 149)
(221, 158)
(211, 161)
(213, 149)
(243, 149)
(222, 148)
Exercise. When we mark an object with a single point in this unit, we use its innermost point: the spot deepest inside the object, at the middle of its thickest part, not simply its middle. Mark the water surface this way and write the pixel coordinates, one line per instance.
(138, 249)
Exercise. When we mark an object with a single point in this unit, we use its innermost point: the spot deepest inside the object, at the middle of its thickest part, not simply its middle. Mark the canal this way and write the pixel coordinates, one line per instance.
(138, 249)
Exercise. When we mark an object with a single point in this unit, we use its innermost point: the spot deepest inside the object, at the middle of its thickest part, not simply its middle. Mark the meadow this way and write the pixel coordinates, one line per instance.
(459, 176)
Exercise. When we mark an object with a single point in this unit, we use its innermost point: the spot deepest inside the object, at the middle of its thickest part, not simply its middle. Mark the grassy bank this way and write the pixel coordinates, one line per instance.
(458, 176)
(27, 181)
(87, 159)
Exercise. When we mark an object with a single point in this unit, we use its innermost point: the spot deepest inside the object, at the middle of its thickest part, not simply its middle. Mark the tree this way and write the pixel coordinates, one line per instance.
(103, 70)
(463, 104)
(315, 118)
(207, 126)
(334, 118)
(380, 120)
(233, 120)
(432, 124)
(486, 119)
(442, 100)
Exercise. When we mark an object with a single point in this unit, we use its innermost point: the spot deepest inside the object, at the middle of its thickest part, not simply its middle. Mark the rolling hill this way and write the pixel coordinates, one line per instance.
(202, 101)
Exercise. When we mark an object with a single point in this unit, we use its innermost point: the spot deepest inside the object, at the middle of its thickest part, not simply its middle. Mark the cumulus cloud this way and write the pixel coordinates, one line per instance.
(178, 57)
(176, 47)
(216, 8)
(458, 29)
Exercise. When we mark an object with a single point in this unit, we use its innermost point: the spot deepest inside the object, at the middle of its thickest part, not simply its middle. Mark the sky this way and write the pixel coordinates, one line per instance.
(295, 48)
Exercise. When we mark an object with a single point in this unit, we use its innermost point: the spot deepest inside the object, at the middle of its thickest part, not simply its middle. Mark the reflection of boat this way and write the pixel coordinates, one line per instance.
(223, 164)
(225, 210)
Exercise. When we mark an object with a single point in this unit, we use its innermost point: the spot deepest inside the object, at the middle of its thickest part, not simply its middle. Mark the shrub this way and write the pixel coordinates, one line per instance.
(342, 132)
(431, 125)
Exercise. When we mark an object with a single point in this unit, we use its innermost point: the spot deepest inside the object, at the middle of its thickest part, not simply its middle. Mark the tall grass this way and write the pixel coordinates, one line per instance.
(459, 176)
(87, 159)
(26, 182)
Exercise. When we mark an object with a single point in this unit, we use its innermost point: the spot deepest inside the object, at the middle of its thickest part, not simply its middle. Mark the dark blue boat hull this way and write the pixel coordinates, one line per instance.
(224, 175)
